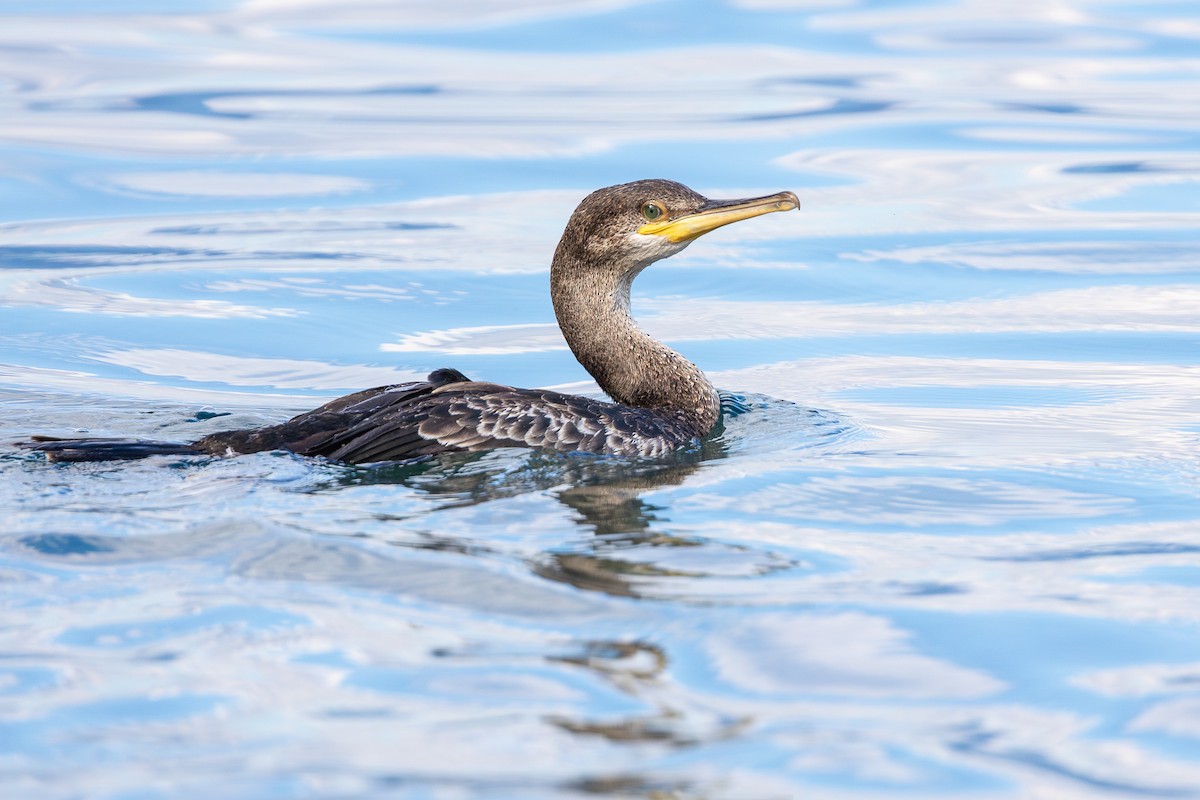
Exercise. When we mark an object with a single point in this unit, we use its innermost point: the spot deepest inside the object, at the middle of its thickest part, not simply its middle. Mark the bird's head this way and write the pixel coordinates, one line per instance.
(622, 229)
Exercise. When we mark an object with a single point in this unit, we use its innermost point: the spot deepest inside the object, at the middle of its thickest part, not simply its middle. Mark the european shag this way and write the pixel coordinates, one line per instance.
(660, 399)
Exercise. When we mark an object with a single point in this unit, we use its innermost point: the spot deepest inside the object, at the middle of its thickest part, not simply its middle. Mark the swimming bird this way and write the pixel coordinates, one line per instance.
(660, 400)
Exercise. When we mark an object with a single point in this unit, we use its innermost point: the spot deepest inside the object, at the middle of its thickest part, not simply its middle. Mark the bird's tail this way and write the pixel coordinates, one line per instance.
(105, 449)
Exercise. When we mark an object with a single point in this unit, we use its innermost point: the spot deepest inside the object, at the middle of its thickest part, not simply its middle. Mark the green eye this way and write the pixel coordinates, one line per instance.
(652, 211)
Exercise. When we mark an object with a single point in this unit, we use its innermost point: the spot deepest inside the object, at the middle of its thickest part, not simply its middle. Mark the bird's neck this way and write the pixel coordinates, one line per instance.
(629, 365)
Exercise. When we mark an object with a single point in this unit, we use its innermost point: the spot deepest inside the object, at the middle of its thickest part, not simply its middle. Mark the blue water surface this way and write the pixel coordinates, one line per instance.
(948, 546)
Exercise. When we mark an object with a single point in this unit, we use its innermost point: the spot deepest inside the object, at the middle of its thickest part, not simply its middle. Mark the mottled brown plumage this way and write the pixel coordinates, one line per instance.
(661, 400)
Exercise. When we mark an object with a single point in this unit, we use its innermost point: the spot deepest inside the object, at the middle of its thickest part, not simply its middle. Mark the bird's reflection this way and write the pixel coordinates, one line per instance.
(604, 494)
(639, 669)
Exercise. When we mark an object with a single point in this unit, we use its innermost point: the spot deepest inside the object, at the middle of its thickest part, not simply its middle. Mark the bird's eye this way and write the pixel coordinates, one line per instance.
(652, 211)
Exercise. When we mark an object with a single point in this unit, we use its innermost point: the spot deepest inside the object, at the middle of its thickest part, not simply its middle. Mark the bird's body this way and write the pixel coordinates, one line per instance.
(660, 399)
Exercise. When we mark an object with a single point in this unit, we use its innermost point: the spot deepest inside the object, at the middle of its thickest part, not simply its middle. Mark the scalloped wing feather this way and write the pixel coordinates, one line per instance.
(485, 416)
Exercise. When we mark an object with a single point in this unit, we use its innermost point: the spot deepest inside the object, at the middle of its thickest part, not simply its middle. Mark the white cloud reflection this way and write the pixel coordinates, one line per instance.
(36, 289)
(1143, 680)
(1063, 135)
(315, 287)
(482, 340)
(1064, 572)
(952, 190)
(839, 654)
(280, 373)
(1074, 257)
(913, 502)
(1094, 308)
(418, 14)
(1178, 717)
(1089, 412)
(72, 383)
(247, 185)
(1174, 716)
(489, 233)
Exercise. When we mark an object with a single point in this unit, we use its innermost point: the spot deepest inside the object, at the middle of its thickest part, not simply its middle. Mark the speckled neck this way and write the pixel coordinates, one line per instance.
(591, 302)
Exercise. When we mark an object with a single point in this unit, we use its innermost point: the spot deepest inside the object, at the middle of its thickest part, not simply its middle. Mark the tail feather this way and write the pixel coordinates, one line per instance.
(106, 449)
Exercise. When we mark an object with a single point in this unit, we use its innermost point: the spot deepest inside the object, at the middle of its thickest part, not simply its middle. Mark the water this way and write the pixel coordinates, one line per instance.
(950, 549)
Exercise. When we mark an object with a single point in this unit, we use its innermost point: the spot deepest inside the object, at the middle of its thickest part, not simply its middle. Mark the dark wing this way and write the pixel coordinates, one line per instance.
(319, 431)
(482, 416)
(381, 397)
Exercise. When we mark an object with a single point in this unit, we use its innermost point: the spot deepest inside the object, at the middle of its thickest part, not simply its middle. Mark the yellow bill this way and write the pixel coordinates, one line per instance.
(716, 213)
